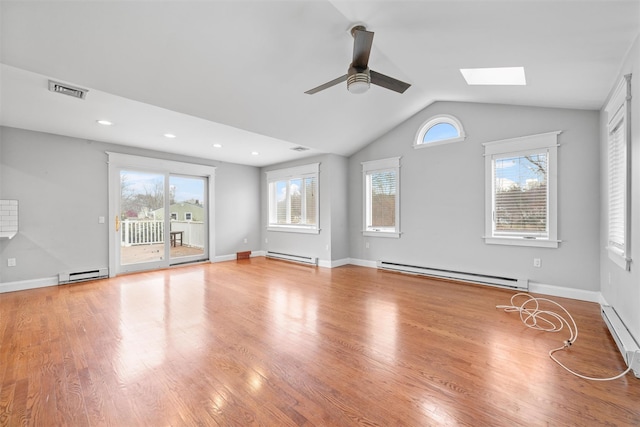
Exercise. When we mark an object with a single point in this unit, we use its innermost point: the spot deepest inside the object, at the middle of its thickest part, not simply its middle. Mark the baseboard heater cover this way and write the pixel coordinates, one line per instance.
(81, 276)
(627, 345)
(294, 258)
(484, 279)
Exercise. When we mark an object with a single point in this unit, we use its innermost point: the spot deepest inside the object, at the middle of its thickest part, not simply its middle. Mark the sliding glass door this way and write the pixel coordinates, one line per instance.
(187, 214)
(160, 218)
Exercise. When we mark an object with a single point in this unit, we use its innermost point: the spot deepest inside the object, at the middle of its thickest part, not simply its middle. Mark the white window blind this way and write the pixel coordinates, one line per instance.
(618, 174)
(382, 197)
(521, 191)
(520, 194)
(294, 199)
(617, 168)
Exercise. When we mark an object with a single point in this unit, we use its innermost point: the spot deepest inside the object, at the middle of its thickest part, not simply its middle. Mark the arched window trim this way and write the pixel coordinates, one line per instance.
(440, 118)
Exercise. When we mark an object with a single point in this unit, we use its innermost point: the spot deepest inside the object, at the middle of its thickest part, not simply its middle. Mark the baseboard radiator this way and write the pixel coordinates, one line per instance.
(81, 276)
(623, 338)
(294, 258)
(484, 279)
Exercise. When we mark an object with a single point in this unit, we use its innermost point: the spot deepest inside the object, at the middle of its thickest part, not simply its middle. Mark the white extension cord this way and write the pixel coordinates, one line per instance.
(550, 321)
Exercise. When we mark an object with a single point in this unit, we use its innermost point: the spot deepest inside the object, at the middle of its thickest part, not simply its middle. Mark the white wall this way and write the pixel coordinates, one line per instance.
(61, 184)
(331, 243)
(620, 288)
(442, 196)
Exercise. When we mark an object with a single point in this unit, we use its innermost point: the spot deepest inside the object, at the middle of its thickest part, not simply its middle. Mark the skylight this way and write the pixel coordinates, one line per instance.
(504, 76)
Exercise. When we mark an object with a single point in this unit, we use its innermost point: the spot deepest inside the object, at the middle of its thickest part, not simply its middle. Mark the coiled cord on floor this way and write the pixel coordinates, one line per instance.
(550, 321)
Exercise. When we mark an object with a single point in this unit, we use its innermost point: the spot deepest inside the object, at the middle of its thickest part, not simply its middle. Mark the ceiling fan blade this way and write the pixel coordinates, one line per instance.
(327, 85)
(362, 41)
(388, 82)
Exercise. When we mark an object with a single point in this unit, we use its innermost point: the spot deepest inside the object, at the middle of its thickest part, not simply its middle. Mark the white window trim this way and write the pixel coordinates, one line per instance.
(617, 109)
(519, 145)
(440, 118)
(190, 214)
(304, 171)
(392, 163)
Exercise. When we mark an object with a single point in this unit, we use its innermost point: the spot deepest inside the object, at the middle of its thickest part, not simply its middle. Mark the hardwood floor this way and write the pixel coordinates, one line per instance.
(264, 342)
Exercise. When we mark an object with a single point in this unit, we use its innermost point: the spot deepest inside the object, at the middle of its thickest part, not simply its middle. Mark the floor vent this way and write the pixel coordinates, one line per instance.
(484, 279)
(294, 258)
(81, 276)
(66, 89)
(623, 338)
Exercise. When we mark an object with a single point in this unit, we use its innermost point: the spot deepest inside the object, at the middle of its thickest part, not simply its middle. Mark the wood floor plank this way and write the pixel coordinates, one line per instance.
(264, 342)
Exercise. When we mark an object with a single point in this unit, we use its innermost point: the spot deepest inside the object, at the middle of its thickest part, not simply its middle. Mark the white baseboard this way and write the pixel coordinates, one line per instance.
(559, 291)
(233, 257)
(333, 264)
(534, 287)
(23, 285)
(363, 263)
(222, 258)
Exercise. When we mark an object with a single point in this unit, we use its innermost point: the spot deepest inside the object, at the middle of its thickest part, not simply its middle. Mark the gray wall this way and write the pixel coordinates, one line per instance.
(331, 244)
(61, 185)
(442, 196)
(621, 288)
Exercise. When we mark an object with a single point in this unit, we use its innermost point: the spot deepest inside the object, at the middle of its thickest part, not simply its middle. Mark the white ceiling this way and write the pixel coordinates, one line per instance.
(235, 72)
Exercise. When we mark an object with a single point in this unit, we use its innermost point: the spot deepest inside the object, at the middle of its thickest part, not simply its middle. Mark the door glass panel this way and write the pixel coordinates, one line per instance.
(141, 228)
(187, 213)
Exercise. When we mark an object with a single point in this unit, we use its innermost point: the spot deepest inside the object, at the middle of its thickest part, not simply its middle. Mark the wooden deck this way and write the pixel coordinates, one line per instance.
(265, 342)
(144, 253)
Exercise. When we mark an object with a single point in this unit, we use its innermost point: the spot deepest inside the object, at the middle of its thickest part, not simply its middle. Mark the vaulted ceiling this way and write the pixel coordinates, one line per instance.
(235, 72)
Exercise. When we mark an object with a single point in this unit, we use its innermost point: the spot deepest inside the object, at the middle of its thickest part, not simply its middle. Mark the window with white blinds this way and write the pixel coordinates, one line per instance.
(294, 199)
(618, 176)
(382, 197)
(521, 196)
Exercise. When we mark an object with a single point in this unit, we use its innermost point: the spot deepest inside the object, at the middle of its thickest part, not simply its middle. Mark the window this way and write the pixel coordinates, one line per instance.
(174, 216)
(294, 199)
(441, 129)
(521, 191)
(382, 197)
(618, 123)
(187, 216)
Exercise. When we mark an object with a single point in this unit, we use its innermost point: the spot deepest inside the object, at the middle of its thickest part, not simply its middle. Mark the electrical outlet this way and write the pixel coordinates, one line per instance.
(245, 240)
(366, 245)
(537, 262)
(100, 220)
(11, 262)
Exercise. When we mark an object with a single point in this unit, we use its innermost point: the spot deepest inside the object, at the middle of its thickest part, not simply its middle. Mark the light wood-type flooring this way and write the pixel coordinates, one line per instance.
(264, 342)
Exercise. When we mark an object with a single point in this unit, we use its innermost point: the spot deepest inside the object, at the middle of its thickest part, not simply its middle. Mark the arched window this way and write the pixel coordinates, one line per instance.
(440, 129)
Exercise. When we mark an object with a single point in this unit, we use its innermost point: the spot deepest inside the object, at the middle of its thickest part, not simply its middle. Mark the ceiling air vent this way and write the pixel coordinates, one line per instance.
(66, 89)
(299, 148)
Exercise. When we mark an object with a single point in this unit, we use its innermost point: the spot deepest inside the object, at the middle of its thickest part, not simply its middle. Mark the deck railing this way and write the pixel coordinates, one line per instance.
(149, 232)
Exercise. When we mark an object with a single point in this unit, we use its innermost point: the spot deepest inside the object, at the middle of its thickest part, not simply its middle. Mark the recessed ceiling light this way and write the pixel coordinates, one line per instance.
(254, 153)
(494, 76)
(217, 145)
(104, 122)
(169, 135)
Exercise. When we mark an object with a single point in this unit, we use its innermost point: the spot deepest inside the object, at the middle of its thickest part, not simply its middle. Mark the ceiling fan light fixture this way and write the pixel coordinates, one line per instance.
(358, 82)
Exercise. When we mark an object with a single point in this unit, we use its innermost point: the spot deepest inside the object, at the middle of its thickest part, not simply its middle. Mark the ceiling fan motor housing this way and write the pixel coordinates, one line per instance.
(358, 81)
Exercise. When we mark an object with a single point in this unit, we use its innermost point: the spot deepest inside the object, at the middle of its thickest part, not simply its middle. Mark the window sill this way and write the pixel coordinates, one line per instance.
(521, 241)
(285, 229)
(618, 258)
(438, 142)
(388, 234)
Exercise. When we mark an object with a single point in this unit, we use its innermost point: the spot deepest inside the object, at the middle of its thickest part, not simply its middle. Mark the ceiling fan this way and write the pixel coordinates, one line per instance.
(359, 76)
